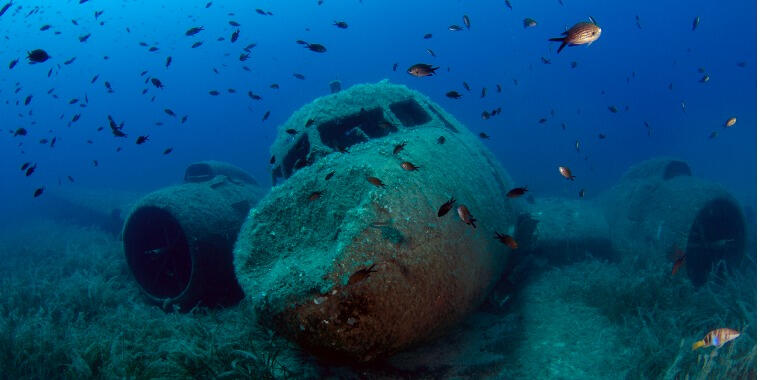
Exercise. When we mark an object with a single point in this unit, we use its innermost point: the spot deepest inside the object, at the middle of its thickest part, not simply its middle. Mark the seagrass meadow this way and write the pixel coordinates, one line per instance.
(70, 309)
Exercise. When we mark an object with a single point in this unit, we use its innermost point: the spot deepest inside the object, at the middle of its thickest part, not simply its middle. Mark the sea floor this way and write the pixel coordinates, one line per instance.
(71, 310)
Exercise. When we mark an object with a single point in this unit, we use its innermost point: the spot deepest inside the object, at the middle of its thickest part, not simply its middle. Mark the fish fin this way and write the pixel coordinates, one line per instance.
(696, 345)
(592, 20)
(557, 39)
(561, 47)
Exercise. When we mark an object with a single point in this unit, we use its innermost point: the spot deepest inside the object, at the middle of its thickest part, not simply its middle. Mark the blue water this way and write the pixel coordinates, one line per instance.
(496, 50)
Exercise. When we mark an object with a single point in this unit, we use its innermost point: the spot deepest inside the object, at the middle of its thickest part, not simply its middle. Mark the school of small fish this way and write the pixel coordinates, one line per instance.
(580, 33)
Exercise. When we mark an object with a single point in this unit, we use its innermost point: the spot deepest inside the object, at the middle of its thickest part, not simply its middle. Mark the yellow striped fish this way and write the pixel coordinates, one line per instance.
(716, 338)
(582, 33)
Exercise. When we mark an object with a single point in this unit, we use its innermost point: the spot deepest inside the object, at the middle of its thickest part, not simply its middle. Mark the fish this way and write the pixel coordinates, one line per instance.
(516, 192)
(465, 215)
(483, 93)
(679, 259)
(716, 338)
(75, 118)
(317, 48)
(695, 23)
(506, 240)
(234, 36)
(730, 122)
(427, 36)
(565, 171)
(441, 140)
(95, 78)
(453, 95)
(340, 24)
(299, 76)
(705, 79)
(713, 135)
(30, 170)
(444, 209)
(408, 166)
(25, 165)
(170, 112)
(376, 181)
(582, 193)
(244, 56)
(156, 82)
(361, 275)
(5, 7)
(168, 61)
(315, 195)
(399, 147)
(213, 92)
(194, 30)
(602, 136)
(683, 106)
(508, 4)
(274, 86)
(69, 61)
(253, 96)
(266, 116)
(291, 131)
(466, 86)
(431, 52)
(38, 192)
(421, 70)
(12, 64)
(141, 139)
(546, 61)
(483, 135)
(19, 132)
(309, 123)
(578, 146)
(466, 21)
(167, 151)
(573, 64)
(329, 175)
(455, 28)
(529, 23)
(612, 109)
(37, 56)
(542, 120)
(196, 44)
(28, 100)
(638, 22)
(582, 33)
(152, 49)
(498, 88)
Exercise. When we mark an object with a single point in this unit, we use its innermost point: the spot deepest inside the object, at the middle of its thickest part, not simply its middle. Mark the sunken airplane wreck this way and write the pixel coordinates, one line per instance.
(348, 255)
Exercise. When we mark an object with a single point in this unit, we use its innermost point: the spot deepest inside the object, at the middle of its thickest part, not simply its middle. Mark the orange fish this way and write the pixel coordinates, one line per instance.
(565, 171)
(406, 165)
(465, 215)
(376, 181)
(680, 257)
(582, 33)
(716, 338)
(506, 240)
